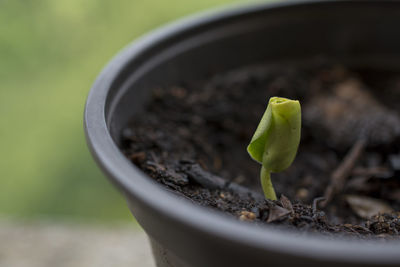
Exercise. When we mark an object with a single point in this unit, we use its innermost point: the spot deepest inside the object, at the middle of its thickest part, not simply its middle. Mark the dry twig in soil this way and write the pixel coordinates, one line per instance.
(342, 172)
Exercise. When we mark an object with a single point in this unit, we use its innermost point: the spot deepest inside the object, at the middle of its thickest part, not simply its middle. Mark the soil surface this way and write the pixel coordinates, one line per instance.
(192, 138)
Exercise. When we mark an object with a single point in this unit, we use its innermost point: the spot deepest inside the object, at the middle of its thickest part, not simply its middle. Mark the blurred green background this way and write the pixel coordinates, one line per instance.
(50, 53)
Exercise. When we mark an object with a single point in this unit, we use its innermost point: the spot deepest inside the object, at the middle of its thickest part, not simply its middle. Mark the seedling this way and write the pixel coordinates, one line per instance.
(275, 142)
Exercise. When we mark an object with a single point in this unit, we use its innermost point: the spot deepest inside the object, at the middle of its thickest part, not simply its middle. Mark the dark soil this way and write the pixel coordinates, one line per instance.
(192, 138)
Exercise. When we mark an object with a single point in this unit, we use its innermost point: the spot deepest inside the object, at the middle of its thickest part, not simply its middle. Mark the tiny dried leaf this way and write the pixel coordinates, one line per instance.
(276, 212)
(286, 203)
(367, 207)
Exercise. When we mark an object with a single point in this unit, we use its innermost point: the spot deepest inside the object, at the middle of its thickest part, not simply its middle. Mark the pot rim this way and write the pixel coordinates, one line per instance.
(137, 185)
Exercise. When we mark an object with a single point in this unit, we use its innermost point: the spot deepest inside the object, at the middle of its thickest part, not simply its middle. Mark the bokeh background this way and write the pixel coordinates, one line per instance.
(56, 207)
(50, 53)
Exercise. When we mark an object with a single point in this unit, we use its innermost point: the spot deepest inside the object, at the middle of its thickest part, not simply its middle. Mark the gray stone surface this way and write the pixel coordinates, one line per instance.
(48, 244)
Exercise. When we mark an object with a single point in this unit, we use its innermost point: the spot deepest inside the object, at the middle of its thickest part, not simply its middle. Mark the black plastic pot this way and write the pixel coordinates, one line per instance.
(182, 234)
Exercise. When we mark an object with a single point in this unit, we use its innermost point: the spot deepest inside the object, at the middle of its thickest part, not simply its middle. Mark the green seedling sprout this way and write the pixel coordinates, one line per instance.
(275, 142)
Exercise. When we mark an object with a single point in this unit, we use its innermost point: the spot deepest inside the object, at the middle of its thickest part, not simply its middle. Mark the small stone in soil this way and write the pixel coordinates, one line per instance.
(302, 193)
(247, 216)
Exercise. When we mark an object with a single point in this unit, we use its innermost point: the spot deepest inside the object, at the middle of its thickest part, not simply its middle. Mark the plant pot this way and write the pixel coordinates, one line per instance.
(183, 234)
